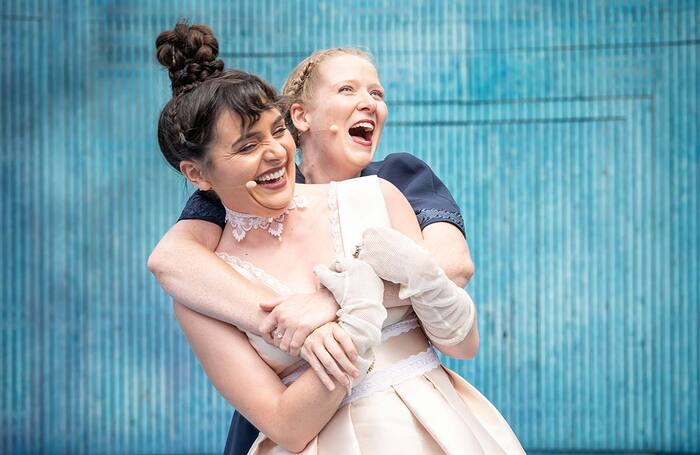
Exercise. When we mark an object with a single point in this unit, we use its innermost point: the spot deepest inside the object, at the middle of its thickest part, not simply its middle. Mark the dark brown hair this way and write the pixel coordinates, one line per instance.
(202, 91)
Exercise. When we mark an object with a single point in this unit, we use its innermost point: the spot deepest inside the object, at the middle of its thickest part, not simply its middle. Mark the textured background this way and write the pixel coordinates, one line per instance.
(567, 131)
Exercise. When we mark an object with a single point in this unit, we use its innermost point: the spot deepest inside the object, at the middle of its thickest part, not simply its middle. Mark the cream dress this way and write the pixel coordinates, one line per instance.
(409, 403)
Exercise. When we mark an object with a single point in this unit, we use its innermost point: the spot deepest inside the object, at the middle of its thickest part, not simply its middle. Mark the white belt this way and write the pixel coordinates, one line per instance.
(378, 381)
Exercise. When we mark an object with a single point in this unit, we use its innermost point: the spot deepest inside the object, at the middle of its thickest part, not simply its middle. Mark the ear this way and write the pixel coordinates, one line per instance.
(193, 172)
(298, 114)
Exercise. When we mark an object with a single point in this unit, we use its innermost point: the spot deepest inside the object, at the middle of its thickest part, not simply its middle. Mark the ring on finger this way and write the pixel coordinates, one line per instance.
(277, 334)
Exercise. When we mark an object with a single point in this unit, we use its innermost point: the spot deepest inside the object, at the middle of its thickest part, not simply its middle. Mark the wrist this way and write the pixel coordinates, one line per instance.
(326, 303)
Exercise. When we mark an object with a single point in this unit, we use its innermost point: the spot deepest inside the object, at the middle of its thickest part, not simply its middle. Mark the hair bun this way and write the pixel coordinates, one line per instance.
(190, 53)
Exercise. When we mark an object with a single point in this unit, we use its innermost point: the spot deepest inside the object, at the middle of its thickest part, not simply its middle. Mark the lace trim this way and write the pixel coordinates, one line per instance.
(333, 216)
(241, 223)
(397, 329)
(259, 274)
(400, 371)
(427, 216)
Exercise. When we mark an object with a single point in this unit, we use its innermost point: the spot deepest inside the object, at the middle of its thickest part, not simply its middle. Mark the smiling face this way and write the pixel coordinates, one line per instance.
(347, 95)
(263, 152)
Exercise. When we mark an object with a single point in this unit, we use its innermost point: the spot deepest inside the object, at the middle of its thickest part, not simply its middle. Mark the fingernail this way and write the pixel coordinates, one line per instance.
(355, 374)
(331, 387)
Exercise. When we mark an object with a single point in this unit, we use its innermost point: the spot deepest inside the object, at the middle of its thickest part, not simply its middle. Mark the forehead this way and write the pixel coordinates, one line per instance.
(228, 125)
(347, 67)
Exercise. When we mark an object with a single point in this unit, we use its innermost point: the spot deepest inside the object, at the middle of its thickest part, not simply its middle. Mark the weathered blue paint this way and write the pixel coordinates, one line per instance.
(567, 130)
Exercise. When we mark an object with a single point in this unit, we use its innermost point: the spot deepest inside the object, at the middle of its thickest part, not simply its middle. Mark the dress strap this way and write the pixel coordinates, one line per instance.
(360, 204)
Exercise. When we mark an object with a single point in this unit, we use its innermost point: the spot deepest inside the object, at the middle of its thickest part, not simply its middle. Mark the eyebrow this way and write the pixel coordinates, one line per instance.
(355, 81)
(247, 134)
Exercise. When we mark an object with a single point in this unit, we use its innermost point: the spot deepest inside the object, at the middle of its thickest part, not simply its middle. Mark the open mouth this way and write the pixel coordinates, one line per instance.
(361, 132)
(272, 178)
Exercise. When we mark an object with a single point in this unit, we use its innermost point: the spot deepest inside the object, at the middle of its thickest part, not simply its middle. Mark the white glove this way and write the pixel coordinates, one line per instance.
(446, 310)
(359, 293)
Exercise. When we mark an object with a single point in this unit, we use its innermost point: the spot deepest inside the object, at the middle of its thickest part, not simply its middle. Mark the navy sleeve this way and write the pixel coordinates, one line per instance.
(205, 207)
(429, 197)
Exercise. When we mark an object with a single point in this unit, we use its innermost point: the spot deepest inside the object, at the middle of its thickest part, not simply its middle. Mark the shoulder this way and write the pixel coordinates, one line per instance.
(407, 173)
(396, 203)
(389, 190)
(400, 163)
(203, 206)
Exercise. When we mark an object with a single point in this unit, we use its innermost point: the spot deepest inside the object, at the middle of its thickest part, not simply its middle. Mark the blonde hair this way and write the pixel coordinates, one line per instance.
(301, 81)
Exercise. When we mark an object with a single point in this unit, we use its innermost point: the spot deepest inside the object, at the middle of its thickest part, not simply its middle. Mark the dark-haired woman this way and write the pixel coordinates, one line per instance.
(224, 133)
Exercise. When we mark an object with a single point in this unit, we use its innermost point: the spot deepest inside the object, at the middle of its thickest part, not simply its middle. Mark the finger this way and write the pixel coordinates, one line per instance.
(271, 304)
(345, 342)
(333, 347)
(315, 365)
(268, 324)
(325, 275)
(268, 338)
(330, 365)
(286, 340)
(343, 264)
(297, 342)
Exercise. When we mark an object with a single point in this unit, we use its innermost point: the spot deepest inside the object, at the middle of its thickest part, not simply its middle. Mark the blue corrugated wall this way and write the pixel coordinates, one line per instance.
(567, 131)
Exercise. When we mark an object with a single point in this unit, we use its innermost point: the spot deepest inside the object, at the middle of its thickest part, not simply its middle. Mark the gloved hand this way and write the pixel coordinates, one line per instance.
(446, 310)
(359, 293)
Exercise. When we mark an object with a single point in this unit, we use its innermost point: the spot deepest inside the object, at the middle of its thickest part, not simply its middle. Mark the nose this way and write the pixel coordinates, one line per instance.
(367, 103)
(274, 151)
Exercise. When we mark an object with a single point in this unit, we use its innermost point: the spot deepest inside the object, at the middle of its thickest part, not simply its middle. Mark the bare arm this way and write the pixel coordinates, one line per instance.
(403, 219)
(449, 249)
(291, 416)
(186, 267)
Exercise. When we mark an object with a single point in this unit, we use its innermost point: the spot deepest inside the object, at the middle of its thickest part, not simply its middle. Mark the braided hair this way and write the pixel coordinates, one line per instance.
(300, 83)
(201, 91)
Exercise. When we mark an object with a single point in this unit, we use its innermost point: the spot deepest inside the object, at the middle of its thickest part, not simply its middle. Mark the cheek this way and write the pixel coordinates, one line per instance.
(382, 114)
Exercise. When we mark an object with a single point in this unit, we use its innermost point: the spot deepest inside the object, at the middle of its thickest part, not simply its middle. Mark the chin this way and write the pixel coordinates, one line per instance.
(361, 158)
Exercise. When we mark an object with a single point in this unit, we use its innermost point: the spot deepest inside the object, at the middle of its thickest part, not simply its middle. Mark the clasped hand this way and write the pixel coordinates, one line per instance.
(308, 328)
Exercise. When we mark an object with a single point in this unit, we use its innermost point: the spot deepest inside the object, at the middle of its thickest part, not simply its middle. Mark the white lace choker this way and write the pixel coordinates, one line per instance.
(244, 222)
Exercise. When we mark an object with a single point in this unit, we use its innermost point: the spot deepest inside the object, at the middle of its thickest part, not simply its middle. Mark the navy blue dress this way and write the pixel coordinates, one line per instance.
(426, 193)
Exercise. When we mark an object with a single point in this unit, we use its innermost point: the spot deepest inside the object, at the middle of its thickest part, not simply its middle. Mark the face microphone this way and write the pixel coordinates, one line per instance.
(333, 129)
(250, 185)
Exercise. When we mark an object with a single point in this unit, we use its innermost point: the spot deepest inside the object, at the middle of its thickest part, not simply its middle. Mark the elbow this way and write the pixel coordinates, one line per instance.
(469, 269)
(465, 349)
(291, 440)
(295, 446)
(153, 263)
(462, 271)
(156, 263)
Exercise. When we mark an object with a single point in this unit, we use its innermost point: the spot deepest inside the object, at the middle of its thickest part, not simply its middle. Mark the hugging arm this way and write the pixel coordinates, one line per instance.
(445, 309)
(186, 267)
(289, 415)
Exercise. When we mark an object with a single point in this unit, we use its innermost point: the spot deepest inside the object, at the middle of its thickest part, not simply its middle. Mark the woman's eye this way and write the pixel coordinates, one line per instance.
(345, 89)
(247, 148)
(377, 94)
(280, 131)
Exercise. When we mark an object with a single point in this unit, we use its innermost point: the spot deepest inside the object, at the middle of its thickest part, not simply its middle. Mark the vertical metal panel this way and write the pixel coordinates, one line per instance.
(568, 132)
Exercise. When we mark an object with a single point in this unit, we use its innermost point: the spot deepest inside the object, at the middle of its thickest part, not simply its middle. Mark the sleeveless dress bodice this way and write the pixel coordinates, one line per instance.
(409, 403)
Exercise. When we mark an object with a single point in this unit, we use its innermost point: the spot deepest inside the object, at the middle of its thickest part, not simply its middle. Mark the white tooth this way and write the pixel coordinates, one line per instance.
(275, 175)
